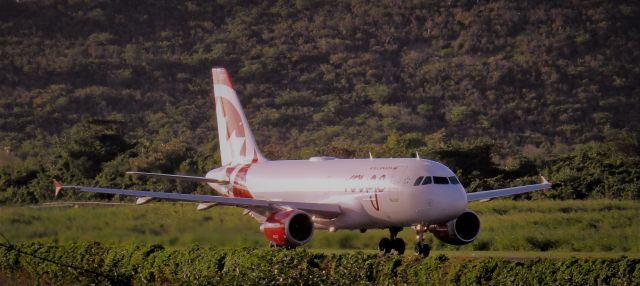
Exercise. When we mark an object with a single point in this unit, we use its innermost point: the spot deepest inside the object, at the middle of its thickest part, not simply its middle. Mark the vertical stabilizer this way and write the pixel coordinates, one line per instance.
(237, 144)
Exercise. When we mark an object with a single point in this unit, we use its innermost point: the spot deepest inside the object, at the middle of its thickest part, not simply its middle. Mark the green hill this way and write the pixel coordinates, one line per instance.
(94, 88)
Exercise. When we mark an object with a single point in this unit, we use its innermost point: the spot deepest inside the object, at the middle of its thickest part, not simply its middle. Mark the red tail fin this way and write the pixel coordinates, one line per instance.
(237, 144)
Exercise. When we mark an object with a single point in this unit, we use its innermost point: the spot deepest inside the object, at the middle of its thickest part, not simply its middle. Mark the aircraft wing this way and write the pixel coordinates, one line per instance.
(326, 211)
(181, 177)
(487, 195)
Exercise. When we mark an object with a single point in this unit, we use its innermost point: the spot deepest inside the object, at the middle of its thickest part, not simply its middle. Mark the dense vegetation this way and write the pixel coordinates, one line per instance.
(500, 91)
(92, 263)
(546, 227)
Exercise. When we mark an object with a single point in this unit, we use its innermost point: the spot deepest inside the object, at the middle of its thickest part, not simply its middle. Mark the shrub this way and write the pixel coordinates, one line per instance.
(94, 263)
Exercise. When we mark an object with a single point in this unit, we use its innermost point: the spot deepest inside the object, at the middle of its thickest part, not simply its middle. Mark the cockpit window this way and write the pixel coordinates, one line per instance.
(418, 180)
(440, 180)
(454, 180)
(427, 180)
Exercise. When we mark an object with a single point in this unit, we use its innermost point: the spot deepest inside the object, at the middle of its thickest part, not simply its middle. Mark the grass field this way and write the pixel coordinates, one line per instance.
(599, 228)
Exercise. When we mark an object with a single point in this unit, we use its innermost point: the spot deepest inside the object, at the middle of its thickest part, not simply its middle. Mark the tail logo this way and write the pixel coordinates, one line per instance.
(234, 126)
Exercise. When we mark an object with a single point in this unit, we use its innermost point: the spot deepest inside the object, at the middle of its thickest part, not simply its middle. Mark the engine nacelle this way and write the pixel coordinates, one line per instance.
(462, 230)
(288, 228)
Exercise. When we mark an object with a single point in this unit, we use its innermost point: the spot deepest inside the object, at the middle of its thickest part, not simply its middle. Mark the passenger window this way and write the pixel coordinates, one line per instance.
(418, 180)
(427, 180)
(454, 180)
(440, 180)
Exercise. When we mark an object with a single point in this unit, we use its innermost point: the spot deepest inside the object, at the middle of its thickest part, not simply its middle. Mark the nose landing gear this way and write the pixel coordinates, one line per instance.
(421, 248)
(392, 243)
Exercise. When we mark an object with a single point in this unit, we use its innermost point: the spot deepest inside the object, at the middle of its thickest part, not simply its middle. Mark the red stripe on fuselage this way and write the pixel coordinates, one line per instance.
(240, 189)
(255, 156)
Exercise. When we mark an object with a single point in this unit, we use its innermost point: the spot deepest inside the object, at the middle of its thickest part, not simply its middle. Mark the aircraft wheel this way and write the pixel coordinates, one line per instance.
(398, 245)
(385, 246)
(422, 249)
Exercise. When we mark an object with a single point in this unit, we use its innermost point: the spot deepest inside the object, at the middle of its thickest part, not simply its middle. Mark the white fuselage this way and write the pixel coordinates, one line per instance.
(372, 193)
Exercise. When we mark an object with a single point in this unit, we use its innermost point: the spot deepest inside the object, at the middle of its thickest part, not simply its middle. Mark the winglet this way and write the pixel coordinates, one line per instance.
(58, 187)
(544, 181)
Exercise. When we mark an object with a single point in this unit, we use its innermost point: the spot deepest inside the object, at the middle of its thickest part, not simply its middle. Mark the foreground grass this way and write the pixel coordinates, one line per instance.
(94, 263)
(601, 227)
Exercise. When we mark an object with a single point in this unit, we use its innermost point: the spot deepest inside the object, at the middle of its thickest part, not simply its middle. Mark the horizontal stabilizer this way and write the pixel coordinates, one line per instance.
(181, 178)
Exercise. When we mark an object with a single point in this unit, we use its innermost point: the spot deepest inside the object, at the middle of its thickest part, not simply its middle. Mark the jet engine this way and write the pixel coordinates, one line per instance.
(461, 230)
(288, 228)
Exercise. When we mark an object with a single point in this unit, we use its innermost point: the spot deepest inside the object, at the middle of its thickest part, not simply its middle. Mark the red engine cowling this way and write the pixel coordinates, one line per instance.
(288, 228)
(462, 230)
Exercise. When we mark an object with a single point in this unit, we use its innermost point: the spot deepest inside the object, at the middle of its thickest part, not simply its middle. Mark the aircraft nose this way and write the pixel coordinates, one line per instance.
(457, 200)
(446, 204)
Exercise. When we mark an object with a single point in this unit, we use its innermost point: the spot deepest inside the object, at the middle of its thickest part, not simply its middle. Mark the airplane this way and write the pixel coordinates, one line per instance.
(292, 198)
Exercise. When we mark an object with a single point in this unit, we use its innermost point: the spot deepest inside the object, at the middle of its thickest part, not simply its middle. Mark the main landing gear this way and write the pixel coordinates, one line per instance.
(392, 243)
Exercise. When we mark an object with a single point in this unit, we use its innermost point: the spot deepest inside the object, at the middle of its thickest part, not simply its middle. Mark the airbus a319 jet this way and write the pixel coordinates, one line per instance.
(292, 198)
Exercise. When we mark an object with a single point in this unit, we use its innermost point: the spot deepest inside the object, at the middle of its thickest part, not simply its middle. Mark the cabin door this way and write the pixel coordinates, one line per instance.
(397, 181)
